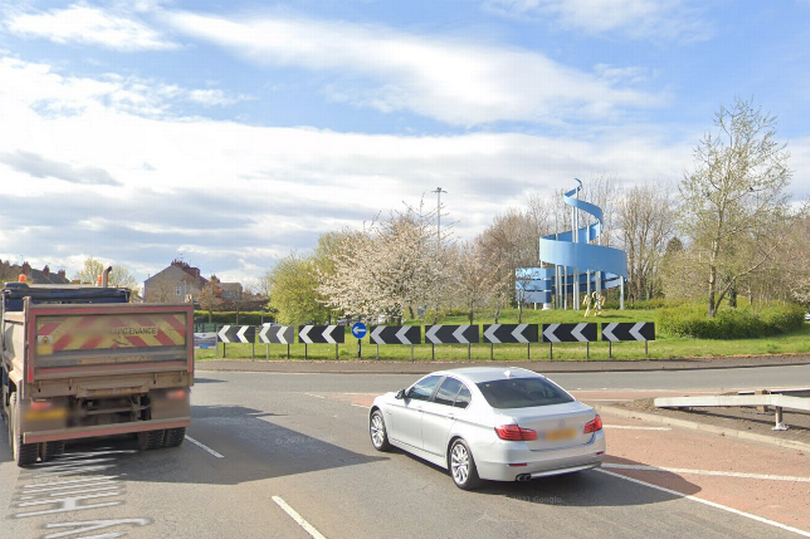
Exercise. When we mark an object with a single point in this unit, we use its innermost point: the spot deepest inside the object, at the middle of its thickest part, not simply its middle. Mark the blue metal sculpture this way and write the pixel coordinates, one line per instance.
(570, 264)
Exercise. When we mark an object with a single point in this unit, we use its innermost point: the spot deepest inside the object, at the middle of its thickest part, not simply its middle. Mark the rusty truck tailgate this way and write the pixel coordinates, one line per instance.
(107, 339)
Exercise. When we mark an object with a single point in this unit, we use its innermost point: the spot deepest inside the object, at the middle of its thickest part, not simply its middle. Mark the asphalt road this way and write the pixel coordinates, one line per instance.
(287, 456)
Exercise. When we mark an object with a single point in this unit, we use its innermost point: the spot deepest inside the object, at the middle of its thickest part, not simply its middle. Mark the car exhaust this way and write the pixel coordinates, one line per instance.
(524, 477)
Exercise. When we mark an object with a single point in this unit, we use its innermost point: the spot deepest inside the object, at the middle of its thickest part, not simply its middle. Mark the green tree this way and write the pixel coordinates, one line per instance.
(293, 291)
(734, 201)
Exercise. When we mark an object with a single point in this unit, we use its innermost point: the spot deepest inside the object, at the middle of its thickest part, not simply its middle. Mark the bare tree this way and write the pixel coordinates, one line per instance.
(478, 280)
(210, 298)
(646, 220)
(734, 201)
(92, 270)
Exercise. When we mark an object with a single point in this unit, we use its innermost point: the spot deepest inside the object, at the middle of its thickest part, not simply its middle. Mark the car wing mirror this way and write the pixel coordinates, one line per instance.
(400, 394)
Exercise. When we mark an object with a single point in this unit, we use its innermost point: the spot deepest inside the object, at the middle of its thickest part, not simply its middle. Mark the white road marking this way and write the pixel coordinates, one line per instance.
(635, 427)
(314, 395)
(359, 406)
(309, 528)
(204, 447)
(707, 502)
(764, 477)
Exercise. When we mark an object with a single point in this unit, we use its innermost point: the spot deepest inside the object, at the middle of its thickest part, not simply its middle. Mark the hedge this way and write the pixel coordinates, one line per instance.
(770, 319)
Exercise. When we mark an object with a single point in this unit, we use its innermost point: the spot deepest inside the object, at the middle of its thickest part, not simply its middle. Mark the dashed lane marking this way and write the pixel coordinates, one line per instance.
(205, 448)
(740, 475)
(309, 528)
(707, 502)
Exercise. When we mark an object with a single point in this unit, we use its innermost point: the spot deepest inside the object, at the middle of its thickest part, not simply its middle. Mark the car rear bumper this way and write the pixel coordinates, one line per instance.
(515, 461)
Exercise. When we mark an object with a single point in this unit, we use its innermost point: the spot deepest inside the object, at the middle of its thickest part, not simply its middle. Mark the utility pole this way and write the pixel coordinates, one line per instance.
(439, 192)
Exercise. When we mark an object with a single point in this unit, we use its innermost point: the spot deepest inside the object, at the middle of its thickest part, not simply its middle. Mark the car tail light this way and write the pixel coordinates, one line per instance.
(515, 433)
(594, 425)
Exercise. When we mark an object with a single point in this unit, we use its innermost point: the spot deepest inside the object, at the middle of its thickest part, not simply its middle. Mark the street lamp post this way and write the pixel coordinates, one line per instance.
(439, 192)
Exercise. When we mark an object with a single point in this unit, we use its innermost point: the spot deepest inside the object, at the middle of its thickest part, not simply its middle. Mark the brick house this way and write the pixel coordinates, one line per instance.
(181, 283)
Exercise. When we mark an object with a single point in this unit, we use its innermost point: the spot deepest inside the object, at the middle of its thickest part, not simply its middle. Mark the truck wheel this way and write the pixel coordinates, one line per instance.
(152, 439)
(52, 449)
(174, 437)
(24, 454)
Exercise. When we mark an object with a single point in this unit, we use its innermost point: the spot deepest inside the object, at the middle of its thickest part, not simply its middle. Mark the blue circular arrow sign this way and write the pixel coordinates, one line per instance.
(359, 330)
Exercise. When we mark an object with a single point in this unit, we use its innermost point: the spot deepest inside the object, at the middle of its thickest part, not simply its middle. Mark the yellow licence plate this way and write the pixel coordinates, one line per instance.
(561, 434)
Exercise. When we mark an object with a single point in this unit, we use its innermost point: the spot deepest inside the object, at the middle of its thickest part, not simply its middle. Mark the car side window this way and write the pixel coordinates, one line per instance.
(463, 398)
(423, 389)
(447, 392)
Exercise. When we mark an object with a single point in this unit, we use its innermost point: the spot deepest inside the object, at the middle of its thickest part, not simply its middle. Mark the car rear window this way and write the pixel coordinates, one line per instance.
(522, 393)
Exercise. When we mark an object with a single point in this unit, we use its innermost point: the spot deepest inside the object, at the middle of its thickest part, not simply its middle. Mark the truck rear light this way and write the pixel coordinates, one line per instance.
(515, 433)
(177, 394)
(38, 406)
(594, 425)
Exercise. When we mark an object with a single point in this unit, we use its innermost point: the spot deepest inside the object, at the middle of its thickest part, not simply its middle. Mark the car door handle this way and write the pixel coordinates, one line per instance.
(451, 416)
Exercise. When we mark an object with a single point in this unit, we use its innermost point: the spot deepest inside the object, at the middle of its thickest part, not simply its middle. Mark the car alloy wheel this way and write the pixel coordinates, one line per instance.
(462, 466)
(379, 436)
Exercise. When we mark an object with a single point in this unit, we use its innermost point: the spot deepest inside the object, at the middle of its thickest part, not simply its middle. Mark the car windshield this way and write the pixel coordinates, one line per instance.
(522, 393)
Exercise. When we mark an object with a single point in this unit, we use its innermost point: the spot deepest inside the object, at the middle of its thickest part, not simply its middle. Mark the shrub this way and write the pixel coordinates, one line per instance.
(689, 320)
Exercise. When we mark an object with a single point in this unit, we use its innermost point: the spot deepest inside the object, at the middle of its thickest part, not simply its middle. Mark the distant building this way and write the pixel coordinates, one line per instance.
(182, 283)
(11, 272)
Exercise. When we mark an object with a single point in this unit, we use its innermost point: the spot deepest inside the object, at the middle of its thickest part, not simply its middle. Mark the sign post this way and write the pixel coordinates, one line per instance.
(359, 330)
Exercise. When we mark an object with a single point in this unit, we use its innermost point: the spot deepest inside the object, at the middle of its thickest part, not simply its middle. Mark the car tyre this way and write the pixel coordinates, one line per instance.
(462, 466)
(377, 431)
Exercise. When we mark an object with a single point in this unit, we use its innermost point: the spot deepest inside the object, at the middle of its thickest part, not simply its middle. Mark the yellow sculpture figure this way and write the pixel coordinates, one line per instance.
(593, 304)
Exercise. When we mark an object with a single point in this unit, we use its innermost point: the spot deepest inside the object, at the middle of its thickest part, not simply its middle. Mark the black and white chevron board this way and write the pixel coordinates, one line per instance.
(321, 334)
(582, 332)
(441, 334)
(237, 334)
(628, 331)
(277, 334)
(559, 333)
(269, 334)
(510, 334)
(396, 335)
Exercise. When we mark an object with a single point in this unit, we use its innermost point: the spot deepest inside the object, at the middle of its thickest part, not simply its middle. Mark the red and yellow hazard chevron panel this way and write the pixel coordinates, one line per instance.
(109, 331)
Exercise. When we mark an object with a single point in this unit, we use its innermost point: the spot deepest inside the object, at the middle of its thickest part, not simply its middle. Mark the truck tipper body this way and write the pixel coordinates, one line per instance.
(82, 362)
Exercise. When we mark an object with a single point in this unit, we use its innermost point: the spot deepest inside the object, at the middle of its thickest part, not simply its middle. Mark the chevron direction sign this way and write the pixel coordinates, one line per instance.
(396, 335)
(235, 334)
(569, 332)
(321, 334)
(451, 335)
(510, 333)
(628, 331)
(277, 334)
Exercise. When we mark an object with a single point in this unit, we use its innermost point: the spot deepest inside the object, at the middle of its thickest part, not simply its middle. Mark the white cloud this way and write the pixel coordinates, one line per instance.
(671, 20)
(88, 25)
(457, 82)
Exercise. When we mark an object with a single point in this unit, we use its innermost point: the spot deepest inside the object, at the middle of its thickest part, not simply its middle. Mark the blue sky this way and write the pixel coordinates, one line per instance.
(231, 133)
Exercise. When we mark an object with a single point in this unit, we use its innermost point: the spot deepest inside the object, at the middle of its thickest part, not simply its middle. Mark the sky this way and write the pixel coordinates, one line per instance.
(231, 133)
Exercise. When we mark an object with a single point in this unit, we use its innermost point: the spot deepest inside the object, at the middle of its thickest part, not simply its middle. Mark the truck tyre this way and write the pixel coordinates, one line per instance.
(52, 449)
(174, 437)
(152, 439)
(24, 454)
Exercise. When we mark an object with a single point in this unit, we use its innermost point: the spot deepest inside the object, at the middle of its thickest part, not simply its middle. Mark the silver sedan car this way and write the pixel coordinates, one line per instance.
(490, 423)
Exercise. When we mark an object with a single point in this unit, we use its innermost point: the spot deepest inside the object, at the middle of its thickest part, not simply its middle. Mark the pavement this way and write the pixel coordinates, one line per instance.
(544, 366)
